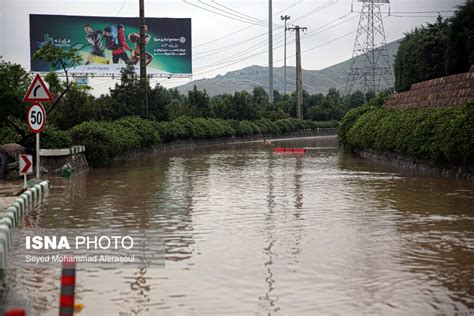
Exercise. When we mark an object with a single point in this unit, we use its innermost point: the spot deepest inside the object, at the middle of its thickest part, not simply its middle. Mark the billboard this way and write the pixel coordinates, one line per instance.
(105, 44)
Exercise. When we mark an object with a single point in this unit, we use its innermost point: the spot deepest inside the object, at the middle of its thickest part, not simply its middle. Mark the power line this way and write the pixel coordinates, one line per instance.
(121, 7)
(318, 9)
(241, 52)
(215, 51)
(251, 19)
(413, 16)
(239, 55)
(238, 12)
(225, 15)
(262, 52)
(315, 32)
(231, 61)
(246, 28)
(212, 52)
(418, 12)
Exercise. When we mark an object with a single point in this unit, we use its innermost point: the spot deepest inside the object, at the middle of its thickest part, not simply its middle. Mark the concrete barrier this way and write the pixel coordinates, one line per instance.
(55, 161)
(13, 216)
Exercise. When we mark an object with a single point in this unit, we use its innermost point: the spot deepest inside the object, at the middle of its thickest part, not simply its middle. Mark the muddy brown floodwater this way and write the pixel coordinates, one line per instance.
(251, 232)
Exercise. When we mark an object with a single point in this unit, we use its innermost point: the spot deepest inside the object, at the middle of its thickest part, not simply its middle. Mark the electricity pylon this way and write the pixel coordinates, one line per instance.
(370, 61)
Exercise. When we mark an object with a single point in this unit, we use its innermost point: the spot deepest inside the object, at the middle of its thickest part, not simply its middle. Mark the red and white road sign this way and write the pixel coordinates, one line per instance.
(26, 164)
(36, 117)
(38, 91)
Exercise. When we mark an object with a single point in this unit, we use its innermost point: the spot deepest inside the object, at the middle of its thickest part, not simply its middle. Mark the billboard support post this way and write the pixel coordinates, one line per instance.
(143, 76)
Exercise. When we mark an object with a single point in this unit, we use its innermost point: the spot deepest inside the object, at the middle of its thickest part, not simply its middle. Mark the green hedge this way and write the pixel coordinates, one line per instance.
(51, 137)
(441, 136)
(106, 140)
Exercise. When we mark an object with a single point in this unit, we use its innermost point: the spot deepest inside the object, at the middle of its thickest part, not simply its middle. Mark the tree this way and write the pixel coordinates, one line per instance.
(76, 107)
(260, 97)
(198, 102)
(59, 58)
(158, 98)
(14, 81)
(174, 110)
(128, 95)
(460, 40)
(356, 99)
(421, 55)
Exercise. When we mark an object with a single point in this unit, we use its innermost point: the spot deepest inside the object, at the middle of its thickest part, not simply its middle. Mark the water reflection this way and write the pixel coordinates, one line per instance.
(247, 231)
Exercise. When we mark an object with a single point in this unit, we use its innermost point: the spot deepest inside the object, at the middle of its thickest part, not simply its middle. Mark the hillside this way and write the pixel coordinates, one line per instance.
(314, 81)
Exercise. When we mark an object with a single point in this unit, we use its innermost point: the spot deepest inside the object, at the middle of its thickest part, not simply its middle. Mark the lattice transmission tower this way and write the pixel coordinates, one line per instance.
(370, 61)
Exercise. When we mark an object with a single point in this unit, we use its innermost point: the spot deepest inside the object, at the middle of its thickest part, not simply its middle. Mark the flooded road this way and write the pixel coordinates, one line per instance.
(252, 232)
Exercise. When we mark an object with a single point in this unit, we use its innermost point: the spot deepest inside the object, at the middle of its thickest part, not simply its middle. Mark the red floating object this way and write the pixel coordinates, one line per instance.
(16, 312)
(289, 150)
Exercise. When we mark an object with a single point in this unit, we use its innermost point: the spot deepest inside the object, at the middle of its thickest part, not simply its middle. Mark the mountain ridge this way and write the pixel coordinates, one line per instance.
(314, 81)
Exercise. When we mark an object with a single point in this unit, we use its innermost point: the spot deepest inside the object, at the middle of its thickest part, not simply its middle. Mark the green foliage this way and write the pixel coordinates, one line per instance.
(460, 46)
(8, 135)
(57, 56)
(421, 55)
(14, 80)
(106, 140)
(349, 120)
(198, 103)
(76, 107)
(51, 137)
(54, 84)
(436, 50)
(442, 136)
(146, 130)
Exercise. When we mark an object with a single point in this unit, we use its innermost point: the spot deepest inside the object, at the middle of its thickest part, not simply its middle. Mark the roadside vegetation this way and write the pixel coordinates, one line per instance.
(106, 140)
(443, 137)
(117, 123)
(436, 50)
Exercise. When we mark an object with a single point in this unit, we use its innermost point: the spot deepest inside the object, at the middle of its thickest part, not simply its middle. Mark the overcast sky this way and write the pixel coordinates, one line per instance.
(222, 44)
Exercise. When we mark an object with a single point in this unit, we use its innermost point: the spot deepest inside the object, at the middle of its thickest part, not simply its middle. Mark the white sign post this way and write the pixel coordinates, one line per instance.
(36, 114)
(36, 119)
(26, 167)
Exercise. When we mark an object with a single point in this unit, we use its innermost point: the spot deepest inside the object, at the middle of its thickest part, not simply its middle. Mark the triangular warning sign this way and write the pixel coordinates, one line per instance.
(38, 91)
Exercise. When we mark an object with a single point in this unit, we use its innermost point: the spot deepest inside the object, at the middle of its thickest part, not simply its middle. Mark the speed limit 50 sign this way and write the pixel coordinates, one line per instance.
(36, 117)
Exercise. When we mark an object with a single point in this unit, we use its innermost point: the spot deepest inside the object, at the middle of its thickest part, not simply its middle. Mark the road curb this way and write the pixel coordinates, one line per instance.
(14, 214)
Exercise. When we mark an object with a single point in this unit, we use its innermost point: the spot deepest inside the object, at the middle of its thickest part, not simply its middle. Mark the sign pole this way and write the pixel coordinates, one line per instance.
(25, 183)
(37, 155)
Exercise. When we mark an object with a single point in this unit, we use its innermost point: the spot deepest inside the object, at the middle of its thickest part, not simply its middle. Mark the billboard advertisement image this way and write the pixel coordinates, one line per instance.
(106, 44)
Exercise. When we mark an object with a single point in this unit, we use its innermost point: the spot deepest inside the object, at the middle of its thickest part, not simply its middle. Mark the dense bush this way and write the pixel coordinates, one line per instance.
(106, 140)
(442, 136)
(51, 137)
(145, 129)
(8, 135)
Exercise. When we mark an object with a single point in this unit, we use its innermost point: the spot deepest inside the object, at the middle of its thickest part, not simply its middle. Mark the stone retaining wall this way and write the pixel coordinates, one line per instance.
(441, 92)
(13, 216)
(407, 163)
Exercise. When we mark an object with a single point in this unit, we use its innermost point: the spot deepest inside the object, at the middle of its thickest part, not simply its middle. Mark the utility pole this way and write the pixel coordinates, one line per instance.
(270, 52)
(285, 18)
(299, 78)
(143, 76)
